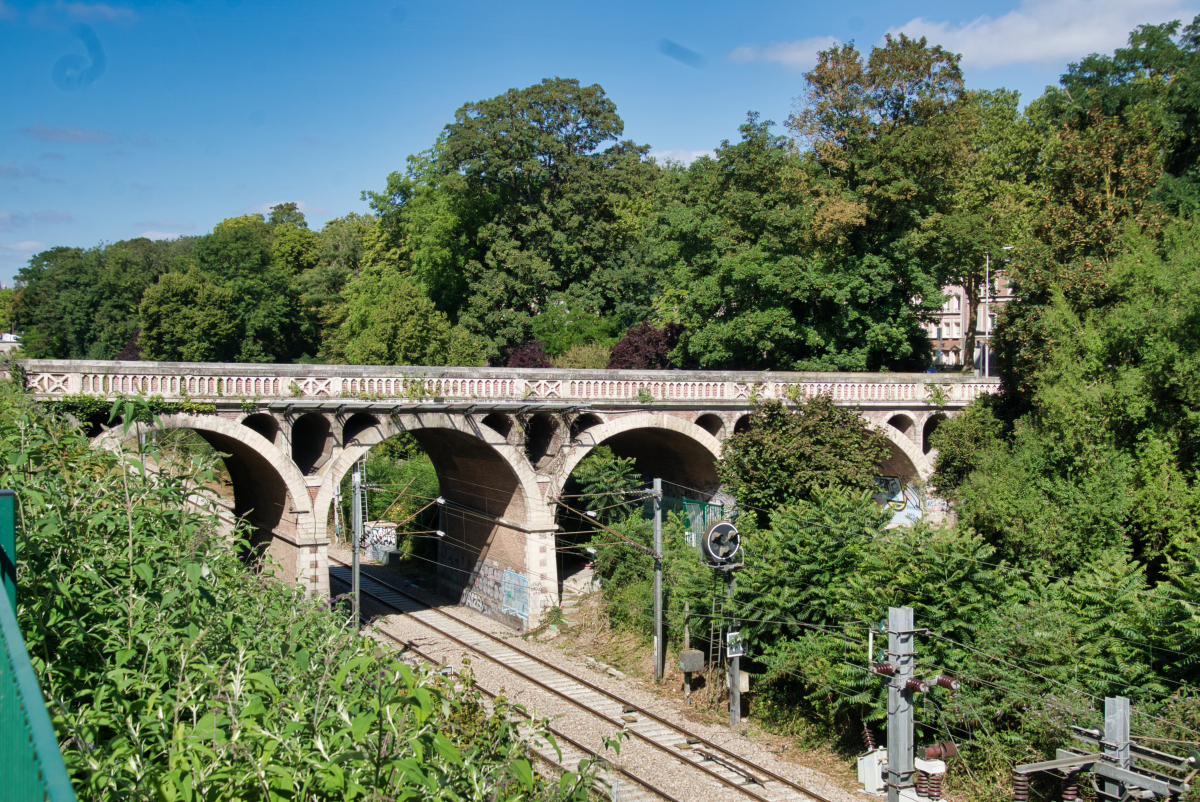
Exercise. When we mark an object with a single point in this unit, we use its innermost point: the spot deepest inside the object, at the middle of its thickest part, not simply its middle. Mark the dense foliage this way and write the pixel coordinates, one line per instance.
(530, 219)
(174, 672)
(787, 454)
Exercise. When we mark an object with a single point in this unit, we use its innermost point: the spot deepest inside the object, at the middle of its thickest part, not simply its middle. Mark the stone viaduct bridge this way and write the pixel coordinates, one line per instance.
(502, 440)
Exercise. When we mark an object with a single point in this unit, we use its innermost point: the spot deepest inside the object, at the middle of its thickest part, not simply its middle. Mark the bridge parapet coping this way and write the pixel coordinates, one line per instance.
(233, 383)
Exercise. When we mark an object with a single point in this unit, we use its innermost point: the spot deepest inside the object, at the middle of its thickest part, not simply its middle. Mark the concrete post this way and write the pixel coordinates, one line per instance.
(902, 653)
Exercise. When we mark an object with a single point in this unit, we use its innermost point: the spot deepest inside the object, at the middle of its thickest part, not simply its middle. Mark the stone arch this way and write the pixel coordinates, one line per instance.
(904, 456)
(311, 440)
(904, 424)
(356, 425)
(494, 518)
(930, 426)
(741, 424)
(265, 424)
(499, 422)
(711, 423)
(269, 491)
(663, 438)
(583, 422)
(543, 438)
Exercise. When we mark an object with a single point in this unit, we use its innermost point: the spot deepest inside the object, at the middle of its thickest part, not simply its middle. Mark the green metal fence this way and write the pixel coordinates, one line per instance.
(31, 767)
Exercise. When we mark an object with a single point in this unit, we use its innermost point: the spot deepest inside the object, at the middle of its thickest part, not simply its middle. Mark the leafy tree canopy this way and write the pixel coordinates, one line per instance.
(787, 454)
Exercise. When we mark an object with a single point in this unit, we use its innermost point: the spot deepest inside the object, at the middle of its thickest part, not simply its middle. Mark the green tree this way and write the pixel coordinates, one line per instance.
(1104, 454)
(187, 318)
(990, 200)
(74, 303)
(517, 209)
(786, 455)
(389, 321)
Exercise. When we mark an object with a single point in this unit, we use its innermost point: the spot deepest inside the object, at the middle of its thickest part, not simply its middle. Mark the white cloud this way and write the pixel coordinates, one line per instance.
(10, 221)
(798, 55)
(160, 235)
(1051, 32)
(72, 133)
(24, 246)
(679, 155)
(100, 11)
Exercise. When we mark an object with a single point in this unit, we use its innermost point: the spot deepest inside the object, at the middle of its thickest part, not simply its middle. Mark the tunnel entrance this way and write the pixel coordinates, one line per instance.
(245, 486)
(466, 539)
(610, 485)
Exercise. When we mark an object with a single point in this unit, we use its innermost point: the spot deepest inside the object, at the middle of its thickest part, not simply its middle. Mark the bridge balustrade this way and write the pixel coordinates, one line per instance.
(177, 381)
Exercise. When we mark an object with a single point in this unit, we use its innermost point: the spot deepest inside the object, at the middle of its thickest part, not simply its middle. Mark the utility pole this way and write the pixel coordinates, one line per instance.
(1116, 744)
(901, 654)
(987, 318)
(658, 555)
(356, 493)
(735, 674)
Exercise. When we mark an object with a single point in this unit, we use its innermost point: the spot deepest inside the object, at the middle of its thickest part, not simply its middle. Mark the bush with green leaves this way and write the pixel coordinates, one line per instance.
(1034, 653)
(173, 671)
(786, 455)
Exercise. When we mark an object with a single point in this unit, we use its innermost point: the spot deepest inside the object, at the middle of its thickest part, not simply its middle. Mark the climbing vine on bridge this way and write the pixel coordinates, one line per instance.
(85, 407)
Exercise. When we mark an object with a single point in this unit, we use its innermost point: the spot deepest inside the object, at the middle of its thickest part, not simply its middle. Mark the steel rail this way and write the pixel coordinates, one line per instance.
(750, 766)
(408, 645)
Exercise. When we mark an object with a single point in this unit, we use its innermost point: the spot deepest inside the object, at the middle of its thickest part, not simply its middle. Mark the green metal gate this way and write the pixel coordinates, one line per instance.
(31, 766)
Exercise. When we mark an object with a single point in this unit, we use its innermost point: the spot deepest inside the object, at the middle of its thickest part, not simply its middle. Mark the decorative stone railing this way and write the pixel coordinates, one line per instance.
(234, 383)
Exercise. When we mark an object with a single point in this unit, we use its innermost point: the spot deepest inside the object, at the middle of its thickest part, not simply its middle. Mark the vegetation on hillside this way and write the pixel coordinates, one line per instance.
(173, 671)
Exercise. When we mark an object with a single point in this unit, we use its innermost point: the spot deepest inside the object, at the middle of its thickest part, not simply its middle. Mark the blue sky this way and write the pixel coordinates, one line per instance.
(161, 119)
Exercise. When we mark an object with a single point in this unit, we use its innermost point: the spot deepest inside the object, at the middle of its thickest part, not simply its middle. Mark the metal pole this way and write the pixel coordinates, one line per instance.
(987, 320)
(8, 546)
(658, 555)
(356, 485)
(1116, 743)
(735, 679)
(902, 653)
(687, 644)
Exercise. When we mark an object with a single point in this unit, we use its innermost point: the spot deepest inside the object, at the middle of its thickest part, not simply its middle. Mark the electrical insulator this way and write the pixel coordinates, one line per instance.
(916, 685)
(869, 738)
(949, 683)
(922, 783)
(1020, 787)
(941, 750)
(1070, 788)
(934, 788)
(884, 669)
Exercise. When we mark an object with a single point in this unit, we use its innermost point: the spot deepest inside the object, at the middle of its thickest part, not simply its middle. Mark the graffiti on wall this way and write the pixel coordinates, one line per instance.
(484, 585)
(516, 594)
(905, 500)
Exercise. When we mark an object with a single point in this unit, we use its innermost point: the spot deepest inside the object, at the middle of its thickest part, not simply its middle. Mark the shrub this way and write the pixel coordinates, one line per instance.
(529, 355)
(174, 673)
(646, 348)
(593, 357)
(785, 456)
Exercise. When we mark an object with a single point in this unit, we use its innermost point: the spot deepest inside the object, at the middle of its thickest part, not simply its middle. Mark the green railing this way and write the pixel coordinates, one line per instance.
(31, 767)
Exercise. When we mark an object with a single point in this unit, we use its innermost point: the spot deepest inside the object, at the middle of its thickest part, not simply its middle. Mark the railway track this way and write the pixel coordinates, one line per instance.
(618, 782)
(712, 761)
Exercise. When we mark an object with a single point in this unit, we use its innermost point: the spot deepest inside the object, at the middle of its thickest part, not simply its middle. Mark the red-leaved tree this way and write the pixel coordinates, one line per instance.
(529, 355)
(646, 348)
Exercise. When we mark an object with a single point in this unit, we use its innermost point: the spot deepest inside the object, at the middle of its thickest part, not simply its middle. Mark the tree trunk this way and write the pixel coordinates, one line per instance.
(971, 291)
